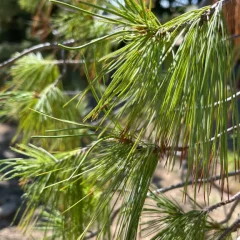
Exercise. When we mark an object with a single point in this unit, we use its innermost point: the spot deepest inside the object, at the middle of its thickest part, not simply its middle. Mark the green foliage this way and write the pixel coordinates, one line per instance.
(20, 105)
(160, 98)
(33, 73)
(30, 6)
(175, 102)
(67, 26)
(8, 9)
(174, 223)
(36, 85)
(38, 174)
(116, 171)
(170, 221)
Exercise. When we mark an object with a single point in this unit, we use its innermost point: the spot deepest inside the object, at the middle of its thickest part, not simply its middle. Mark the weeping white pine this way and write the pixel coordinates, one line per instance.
(161, 100)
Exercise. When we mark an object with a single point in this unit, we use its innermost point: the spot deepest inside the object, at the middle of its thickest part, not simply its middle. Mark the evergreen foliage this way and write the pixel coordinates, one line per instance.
(174, 223)
(30, 6)
(81, 162)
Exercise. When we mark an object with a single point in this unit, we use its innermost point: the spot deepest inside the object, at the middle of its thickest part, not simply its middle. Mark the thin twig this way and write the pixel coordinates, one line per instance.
(179, 148)
(57, 80)
(45, 46)
(36, 48)
(93, 234)
(229, 130)
(68, 62)
(227, 99)
(229, 215)
(115, 213)
(190, 182)
(222, 203)
(230, 229)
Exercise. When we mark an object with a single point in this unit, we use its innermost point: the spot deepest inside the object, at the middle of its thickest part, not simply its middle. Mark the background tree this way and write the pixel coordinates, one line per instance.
(150, 101)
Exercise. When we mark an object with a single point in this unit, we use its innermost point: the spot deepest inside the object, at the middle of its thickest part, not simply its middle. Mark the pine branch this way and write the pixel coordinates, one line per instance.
(190, 182)
(227, 99)
(229, 130)
(235, 95)
(53, 45)
(36, 48)
(229, 214)
(222, 203)
(230, 229)
(119, 163)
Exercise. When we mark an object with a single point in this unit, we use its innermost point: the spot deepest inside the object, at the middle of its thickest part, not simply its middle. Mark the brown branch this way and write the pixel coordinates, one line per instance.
(229, 215)
(237, 94)
(229, 130)
(190, 182)
(45, 46)
(230, 229)
(36, 48)
(222, 203)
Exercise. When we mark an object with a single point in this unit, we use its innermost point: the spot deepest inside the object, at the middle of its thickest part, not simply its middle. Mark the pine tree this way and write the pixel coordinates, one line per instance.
(86, 165)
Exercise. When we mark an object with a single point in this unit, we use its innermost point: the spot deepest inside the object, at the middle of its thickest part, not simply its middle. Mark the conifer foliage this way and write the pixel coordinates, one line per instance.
(85, 166)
